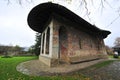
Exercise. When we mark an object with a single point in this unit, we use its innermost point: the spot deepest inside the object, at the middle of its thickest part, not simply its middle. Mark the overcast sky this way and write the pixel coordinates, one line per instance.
(14, 29)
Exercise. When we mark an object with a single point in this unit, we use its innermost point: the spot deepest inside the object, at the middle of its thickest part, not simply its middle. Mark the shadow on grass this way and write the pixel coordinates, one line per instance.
(6, 57)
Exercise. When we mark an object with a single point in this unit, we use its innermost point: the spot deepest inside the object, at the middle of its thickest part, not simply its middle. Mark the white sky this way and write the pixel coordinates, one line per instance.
(15, 31)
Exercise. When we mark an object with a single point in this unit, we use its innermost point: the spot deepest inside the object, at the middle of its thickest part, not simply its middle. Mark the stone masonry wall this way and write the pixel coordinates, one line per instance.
(75, 45)
(82, 46)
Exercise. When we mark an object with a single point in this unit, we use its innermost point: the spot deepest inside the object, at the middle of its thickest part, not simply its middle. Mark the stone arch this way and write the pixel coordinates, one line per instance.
(47, 40)
(43, 43)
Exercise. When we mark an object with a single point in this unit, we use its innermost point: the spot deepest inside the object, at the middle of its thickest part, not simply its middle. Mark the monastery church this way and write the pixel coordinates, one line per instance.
(66, 37)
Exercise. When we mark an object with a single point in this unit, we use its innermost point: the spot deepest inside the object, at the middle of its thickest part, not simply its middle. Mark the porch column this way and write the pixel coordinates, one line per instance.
(45, 41)
(41, 44)
(51, 39)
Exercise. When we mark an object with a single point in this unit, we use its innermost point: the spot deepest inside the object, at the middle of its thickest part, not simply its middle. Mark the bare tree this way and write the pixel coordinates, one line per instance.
(109, 50)
(81, 3)
(117, 41)
(20, 2)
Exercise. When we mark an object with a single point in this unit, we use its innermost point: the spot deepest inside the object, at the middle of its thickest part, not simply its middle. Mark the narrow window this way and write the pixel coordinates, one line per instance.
(98, 45)
(80, 43)
(91, 44)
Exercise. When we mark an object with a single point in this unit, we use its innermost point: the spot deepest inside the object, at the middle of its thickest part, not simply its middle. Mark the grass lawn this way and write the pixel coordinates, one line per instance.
(102, 64)
(111, 56)
(8, 71)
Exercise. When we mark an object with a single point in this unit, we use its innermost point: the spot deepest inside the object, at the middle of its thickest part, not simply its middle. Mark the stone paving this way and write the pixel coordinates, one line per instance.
(110, 72)
(37, 68)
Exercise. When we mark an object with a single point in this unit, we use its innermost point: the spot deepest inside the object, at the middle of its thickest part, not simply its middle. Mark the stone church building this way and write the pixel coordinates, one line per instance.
(66, 37)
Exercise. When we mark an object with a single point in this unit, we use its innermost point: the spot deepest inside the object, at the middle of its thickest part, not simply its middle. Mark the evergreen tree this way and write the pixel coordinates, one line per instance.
(37, 44)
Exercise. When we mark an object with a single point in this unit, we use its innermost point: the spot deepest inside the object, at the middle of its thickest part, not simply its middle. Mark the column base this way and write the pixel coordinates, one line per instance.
(49, 61)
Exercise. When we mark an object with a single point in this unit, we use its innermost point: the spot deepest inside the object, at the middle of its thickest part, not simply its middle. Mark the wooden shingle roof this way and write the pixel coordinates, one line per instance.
(40, 15)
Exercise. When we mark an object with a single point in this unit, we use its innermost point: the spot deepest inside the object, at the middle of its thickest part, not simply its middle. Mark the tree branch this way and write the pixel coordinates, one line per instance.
(20, 2)
(113, 21)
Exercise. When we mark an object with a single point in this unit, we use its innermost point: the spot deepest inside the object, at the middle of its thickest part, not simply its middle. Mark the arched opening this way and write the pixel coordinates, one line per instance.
(47, 41)
(63, 44)
(43, 43)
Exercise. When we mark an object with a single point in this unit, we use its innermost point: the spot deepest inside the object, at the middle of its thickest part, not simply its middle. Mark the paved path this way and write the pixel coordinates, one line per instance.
(110, 72)
(37, 68)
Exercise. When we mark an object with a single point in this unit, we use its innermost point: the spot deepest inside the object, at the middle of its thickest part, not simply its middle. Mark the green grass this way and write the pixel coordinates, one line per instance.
(8, 71)
(102, 64)
(111, 56)
(8, 68)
